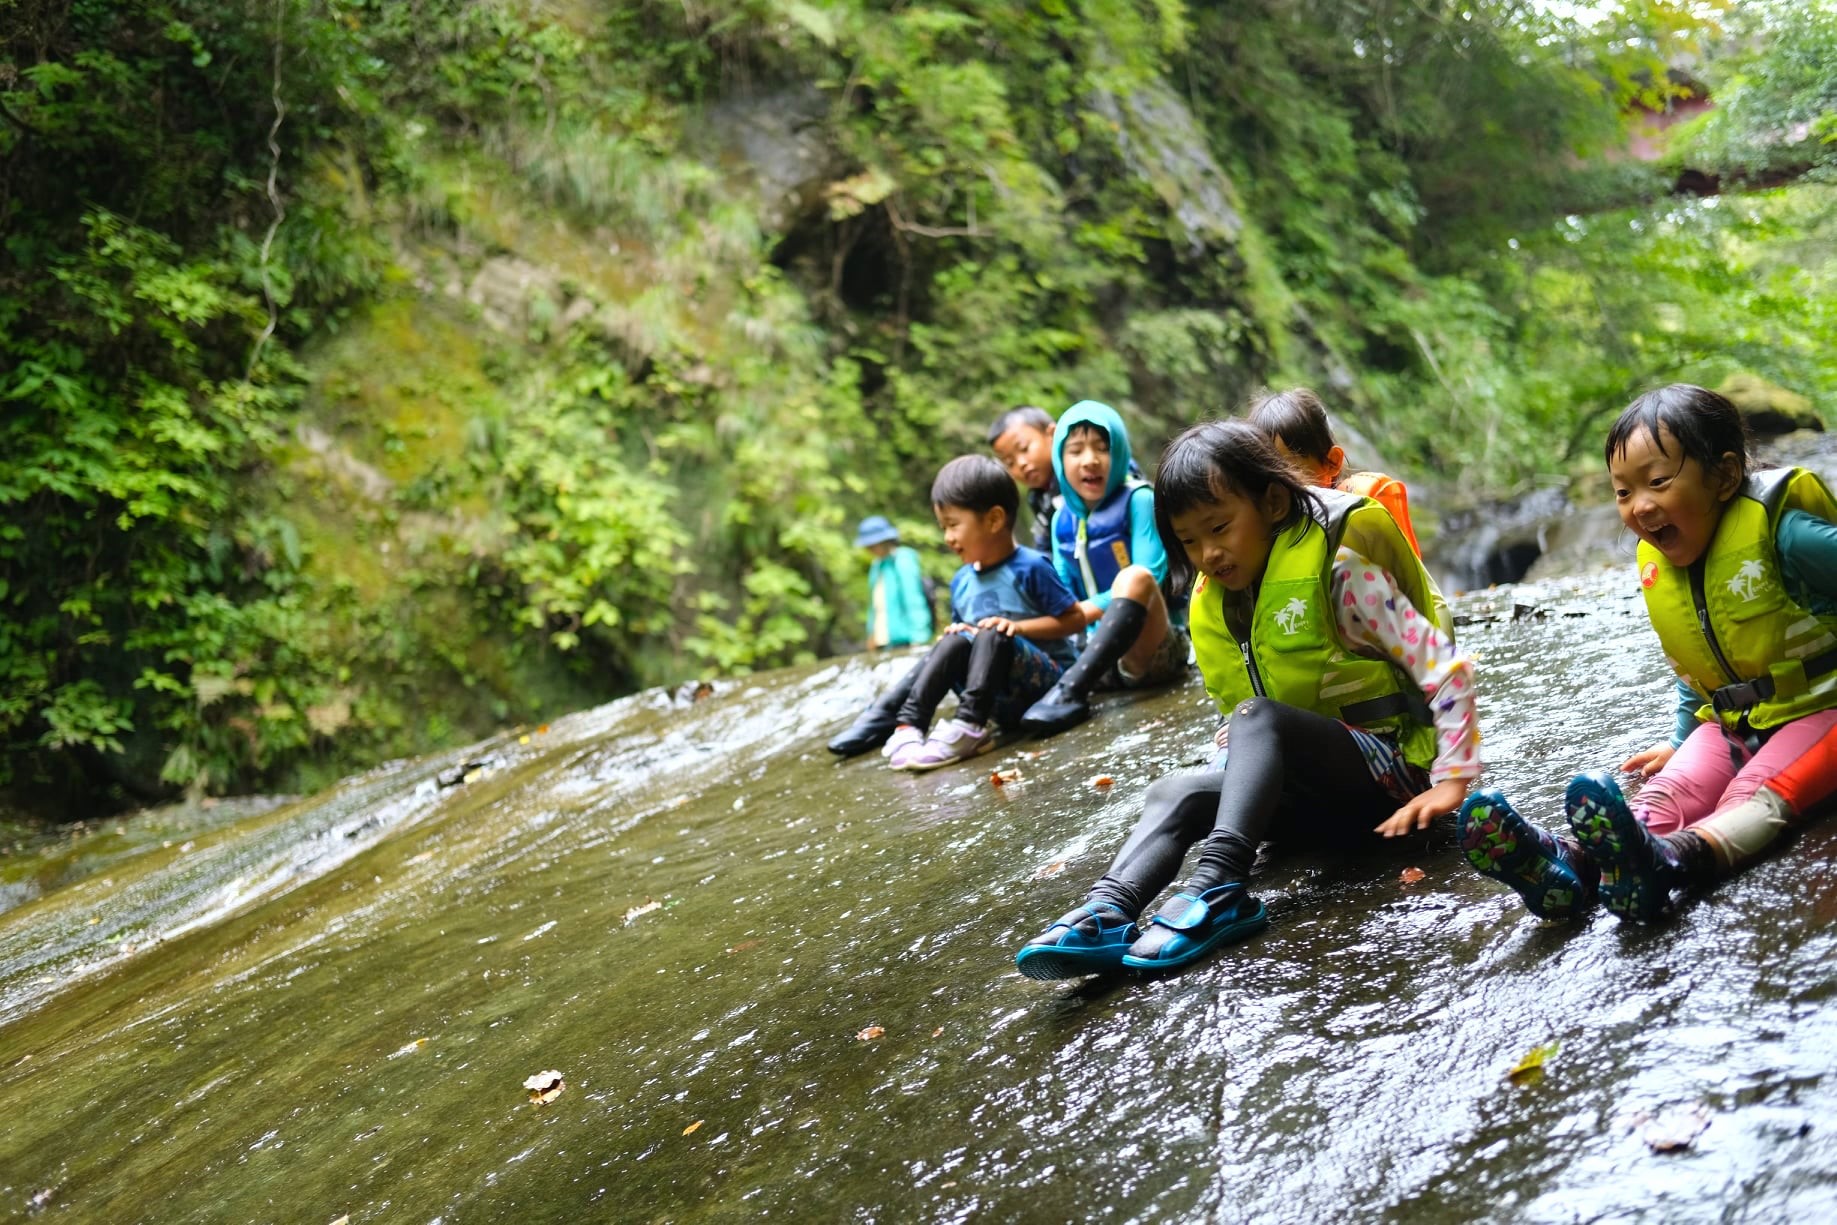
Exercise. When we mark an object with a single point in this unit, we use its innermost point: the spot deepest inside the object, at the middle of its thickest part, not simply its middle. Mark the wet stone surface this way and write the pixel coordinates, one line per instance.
(776, 986)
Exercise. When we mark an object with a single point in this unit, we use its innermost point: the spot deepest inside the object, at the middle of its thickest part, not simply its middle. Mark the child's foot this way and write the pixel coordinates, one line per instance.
(954, 741)
(902, 736)
(1555, 880)
(1187, 927)
(1637, 867)
(1088, 940)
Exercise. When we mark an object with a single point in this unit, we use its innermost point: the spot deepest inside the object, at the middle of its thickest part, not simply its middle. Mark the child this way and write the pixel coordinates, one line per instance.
(1739, 574)
(899, 614)
(1297, 421)
(1011, 622)
(1328, 668)
(1106, 549)
(1022, 440)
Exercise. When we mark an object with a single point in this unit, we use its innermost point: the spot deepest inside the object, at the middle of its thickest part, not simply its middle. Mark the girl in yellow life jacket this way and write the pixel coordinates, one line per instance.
(1739, 574)
(1351, 713)
(1297, 421)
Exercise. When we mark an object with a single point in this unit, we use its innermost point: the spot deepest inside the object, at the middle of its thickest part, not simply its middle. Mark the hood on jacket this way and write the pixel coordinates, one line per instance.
(1107, 419)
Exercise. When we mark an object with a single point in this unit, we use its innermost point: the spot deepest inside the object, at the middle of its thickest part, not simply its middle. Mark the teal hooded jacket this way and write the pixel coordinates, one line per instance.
(1145, 548)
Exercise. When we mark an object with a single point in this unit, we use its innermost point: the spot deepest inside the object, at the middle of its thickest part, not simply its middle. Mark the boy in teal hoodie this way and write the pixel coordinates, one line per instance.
(1106, 549)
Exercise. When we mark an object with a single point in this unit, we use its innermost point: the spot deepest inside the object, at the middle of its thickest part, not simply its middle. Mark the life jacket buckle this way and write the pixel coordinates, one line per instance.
(1733, 699)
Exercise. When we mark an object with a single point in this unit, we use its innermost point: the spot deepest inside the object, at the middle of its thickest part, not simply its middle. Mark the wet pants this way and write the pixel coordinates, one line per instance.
(1739, 810)
(993, 674)
(1290, 773)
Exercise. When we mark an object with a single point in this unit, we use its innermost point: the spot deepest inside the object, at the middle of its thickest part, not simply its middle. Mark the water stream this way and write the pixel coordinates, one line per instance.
(694, 914)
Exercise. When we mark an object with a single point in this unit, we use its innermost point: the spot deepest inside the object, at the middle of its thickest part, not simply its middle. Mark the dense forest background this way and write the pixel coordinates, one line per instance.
(377, 373)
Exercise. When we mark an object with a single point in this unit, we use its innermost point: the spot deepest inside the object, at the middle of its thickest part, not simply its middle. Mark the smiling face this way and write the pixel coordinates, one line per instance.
(979, 539)
(1026, 452)
(1228, 539)
(1671, 501)
(1087, 463)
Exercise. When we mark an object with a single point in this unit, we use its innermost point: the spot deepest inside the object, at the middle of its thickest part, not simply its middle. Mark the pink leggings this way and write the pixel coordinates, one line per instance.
(1798, 763)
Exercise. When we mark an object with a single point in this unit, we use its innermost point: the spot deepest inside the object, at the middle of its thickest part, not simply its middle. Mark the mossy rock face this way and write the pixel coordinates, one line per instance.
(1768, 408)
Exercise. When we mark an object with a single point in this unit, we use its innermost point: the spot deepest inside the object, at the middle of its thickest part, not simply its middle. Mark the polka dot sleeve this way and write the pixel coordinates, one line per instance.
(1375, 617)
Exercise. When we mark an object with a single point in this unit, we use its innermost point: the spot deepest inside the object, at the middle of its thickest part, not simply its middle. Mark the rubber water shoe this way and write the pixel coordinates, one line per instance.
(1187, 927)
(1638, 868)
(902, 736)
(1554, 882)
(954, 741)
(1063, 707)
(1088, 940)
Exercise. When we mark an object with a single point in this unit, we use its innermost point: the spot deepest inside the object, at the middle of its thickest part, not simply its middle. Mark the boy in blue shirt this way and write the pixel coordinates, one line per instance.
(1012, 621)
(1107, 551)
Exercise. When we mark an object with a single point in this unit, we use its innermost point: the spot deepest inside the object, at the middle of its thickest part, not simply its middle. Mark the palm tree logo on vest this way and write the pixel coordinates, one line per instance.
(1290, 614)
(1742, 584)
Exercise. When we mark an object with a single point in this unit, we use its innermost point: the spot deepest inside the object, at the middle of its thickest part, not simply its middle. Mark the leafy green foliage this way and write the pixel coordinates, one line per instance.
(530, 392)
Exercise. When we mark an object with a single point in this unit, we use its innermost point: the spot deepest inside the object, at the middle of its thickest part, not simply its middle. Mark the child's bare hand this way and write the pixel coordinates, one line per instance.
(1651, 761)
(1000, 625)
(1222, 735)
(957, 627)
(1445, 796)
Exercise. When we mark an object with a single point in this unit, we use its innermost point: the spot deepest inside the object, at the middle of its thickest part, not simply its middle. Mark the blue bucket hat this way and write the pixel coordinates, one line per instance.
(873, 530)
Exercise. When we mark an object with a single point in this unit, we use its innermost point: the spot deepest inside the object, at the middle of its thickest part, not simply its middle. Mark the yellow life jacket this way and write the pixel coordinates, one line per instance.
(1292, 651)
(1728, 626)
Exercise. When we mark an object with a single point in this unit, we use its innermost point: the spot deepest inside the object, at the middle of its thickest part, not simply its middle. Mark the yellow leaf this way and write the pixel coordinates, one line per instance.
(1530, 1069)
(691, 1127)
(870, 1033)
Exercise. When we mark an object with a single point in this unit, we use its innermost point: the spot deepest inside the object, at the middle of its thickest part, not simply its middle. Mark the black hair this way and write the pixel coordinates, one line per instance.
(975, 483)
(1217, 457)
(1026, 414)
(1090, 427)
(1297, 418)
(1705, 423)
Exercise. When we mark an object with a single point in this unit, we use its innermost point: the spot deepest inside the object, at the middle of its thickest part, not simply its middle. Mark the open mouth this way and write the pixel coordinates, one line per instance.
(1662, 536)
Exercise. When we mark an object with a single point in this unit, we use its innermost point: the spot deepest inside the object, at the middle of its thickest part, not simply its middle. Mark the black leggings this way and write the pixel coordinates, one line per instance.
(974, 667)
(1288, 772)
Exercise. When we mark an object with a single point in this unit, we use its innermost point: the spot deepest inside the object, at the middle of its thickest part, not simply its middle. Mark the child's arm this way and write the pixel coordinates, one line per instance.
(1039, 629)
(1373, 612)
(1056, 611)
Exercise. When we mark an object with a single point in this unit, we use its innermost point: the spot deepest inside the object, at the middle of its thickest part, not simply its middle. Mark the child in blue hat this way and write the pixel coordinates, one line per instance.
(898, 613)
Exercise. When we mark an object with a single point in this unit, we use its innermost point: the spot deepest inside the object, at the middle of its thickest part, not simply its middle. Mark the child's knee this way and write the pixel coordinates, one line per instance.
(1136, 583)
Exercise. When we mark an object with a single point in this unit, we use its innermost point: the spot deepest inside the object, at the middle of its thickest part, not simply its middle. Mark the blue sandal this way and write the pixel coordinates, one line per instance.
(1088, 940)
(1501, 845)
(1187, 927)
(1637, 868)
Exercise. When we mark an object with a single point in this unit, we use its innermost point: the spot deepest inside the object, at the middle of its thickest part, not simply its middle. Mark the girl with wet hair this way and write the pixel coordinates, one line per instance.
(1739, 575)
(1350, 713)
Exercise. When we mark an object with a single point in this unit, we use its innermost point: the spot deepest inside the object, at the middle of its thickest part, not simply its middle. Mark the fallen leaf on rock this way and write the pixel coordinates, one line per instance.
(937, 1031)
(545, 1087)
(649, 905)
(1530, 1069)
(1051, 869)
(1103, 780)
(1411, 876)
(870, 1033)
(1002, 778)
(1676, 1129)
(691, 1127)
(410, 1049)
(744, 945)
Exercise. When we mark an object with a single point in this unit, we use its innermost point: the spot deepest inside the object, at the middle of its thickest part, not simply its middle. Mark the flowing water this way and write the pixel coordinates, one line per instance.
(778, 986)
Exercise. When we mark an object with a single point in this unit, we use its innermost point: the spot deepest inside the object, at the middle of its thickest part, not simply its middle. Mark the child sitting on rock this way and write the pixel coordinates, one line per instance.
(1105, 548)
(1012, 621)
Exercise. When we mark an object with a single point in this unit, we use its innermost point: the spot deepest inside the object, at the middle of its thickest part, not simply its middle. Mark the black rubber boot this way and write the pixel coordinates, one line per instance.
(1067, 704)
(873, 725)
